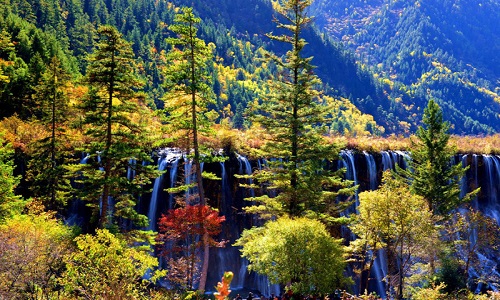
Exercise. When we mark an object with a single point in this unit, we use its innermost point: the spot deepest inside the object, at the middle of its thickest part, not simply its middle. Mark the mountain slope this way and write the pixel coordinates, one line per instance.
(441, 49)
(387, 57)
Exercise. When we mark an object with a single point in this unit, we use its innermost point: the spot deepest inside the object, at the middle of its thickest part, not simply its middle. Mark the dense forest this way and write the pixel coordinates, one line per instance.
(92, 89)
(412, 60)
(420, 49)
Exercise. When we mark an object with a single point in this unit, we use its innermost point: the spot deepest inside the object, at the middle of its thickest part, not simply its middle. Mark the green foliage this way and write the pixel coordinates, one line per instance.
(291, 113)
(188, 85)
(397, 220)
(189, 93)
(31, 255)
(10, 203)
(421, 50)
(451, 274)
(106, 267)
(51, 152)
(430, 293)
(430, 172)
(25, 52)
(114, 123)
(299, 252)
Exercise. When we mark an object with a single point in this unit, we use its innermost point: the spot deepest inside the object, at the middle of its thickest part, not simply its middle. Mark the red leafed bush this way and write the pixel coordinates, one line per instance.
(180, 238)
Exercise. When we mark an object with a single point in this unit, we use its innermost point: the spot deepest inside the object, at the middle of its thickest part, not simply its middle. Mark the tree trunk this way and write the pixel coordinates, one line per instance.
(391, 267)
(365, 276)
(106, 157)
(204, 268)
(53, 138)
(196, 162)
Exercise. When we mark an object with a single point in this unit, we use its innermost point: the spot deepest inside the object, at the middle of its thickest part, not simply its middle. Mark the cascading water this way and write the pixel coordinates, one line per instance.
(168, 158)
(351, 174)
(487, 202)
(387, 162)
(492, 166)
(131, 169)
(259, 282)
(75, 216)
(484, 171)
(152, 212)
(228, 258)
(173, 179)
(379, 269)
(372, 170)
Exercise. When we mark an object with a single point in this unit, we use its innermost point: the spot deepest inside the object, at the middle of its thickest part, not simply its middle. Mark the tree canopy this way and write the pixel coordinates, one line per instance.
(106, 267)
(292, 114)
(114, 121)
(295, 251)
(431, 172)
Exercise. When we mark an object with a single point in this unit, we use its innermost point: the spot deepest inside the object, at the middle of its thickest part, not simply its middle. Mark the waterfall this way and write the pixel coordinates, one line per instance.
(379, 269)
(168, 159)
(85, 158)
(246, 168)
(476, 182)
(349, 164)
(484, 172)
(259, 282)
(173, 179)
(463, 184)
(188, 176)
(152, 212)
(75, 216)
(372, 170)
(131, 169)
(492, 165)
(485, 175)
(386, 161)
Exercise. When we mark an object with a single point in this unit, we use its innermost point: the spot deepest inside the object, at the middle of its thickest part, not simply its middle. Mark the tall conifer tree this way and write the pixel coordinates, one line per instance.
(114, 111)
(10, 203)
(291, 114)
(51, 153)
(189, 92)
(431, 172)
(188, 85)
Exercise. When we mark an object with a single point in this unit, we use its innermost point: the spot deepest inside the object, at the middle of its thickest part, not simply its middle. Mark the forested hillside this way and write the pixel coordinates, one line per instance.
(34, 31)
(388, 58)
(445, 50)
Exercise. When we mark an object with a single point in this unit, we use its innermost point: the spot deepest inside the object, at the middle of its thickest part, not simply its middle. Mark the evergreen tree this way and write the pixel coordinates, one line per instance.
(51, 152)
(189, 92)
(188, 85)
(114, 113)
(431, 172)
(10, 204)
(290, 114)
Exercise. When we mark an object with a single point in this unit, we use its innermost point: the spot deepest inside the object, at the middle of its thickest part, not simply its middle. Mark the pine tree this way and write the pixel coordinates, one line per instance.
(114, 112)
(188, 84)
(10, 204)
(431, 172)
(51, 153)
(291, 113)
